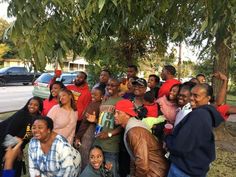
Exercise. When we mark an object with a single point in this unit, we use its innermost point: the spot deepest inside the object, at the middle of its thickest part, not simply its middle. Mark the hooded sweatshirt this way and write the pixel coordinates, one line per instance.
(82, 97)
(192, 144)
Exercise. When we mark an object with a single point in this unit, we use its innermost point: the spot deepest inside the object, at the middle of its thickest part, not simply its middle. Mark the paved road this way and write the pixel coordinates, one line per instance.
(14, 97)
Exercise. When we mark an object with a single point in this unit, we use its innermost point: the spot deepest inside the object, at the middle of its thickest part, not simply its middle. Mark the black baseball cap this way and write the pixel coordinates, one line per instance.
(140, 81)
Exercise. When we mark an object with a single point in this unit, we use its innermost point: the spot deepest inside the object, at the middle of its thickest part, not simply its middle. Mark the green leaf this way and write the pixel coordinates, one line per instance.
(176, 34)
(41, 56)
(204, 25)
(64, 46)
(114, 2)
(101, 4)
(129, 5)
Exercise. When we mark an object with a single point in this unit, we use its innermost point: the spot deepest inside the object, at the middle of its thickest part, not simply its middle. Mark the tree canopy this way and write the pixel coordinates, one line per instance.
(121, 31)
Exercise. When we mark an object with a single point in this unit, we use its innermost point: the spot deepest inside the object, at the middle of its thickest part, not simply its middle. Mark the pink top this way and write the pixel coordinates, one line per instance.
(167, 108)
(64, 122)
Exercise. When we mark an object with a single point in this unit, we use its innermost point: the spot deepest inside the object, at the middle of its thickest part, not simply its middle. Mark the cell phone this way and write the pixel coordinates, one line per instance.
(10, 141)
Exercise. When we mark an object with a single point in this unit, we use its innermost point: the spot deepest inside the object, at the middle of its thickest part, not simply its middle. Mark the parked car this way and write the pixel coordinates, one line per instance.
(16, 74)
(41, 85)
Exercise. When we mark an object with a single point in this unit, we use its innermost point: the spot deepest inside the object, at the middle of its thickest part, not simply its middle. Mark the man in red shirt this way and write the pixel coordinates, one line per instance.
(168, 75)
(81, 93)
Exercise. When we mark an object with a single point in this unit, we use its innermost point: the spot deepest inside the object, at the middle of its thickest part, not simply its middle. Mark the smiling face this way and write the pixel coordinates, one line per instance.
(64, 98)
(96, 158)
(33, 106)
(96, 95)
(139, 90)
(55, 90)
(112, 87)
(40, 130)
(184, 97)
(173, 92)
(199, 97)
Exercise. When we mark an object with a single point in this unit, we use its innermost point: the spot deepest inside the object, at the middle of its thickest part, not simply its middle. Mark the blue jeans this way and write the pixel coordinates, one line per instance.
(113, 158)
(174, 171)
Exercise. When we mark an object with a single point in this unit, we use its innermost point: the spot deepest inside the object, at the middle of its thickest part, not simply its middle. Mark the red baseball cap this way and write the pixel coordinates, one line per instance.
(126, 106)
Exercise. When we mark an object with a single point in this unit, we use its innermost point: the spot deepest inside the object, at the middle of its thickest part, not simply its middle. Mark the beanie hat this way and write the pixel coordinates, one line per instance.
(126, 106)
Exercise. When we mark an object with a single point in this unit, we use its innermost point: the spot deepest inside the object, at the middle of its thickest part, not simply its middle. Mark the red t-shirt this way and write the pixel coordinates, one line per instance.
(47, 105)
(223, 110)
(152, 110)
(166, 86)
(82, 96)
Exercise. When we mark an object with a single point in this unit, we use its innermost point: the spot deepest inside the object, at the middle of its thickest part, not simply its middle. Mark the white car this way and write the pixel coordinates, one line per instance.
(42, 87)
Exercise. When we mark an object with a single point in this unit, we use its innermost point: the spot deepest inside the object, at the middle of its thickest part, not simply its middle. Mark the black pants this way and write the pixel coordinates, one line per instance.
(124, 159)
(19, 166)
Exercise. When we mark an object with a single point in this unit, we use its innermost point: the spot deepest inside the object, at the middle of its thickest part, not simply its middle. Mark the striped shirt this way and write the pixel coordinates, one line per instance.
(62, 160)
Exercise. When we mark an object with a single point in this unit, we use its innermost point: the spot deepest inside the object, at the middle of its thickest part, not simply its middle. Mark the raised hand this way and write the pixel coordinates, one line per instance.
(11, 154)
(91, 117)
(220, 75)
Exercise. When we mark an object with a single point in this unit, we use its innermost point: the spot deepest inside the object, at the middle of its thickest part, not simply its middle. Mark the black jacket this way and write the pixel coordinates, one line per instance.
(19, 124)
(192, 144)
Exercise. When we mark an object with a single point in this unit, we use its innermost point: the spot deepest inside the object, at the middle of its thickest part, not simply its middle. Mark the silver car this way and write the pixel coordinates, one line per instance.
(42, 84)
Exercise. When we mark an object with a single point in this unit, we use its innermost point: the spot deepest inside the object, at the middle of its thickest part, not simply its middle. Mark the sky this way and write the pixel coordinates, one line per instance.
(187, 52)
(3, 11)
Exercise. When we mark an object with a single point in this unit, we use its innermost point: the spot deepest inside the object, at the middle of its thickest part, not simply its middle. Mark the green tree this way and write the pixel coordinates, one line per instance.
(3, 26)
(49, 29)
(210, 21)
(3, 50)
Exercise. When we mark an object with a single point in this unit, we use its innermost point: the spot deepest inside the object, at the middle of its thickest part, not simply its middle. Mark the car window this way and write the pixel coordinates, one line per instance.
(67, 79)
(45, 78)
(3, 70)
(23, 70)
(14, 70)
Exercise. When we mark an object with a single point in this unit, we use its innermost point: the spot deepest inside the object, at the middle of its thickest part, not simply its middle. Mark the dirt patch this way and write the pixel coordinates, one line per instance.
(225, 163)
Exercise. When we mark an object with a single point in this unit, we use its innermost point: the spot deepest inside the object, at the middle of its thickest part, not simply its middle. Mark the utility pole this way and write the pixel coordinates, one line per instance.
(179, 61)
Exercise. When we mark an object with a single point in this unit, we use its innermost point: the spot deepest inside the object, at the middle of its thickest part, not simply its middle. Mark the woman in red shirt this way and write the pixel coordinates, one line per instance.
(52, 100)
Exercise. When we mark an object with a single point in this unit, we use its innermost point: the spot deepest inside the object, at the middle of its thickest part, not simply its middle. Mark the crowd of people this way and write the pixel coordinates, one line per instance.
(122, 127)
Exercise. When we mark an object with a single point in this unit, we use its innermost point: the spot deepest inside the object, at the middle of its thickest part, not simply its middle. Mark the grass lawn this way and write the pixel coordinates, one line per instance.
(231, 99)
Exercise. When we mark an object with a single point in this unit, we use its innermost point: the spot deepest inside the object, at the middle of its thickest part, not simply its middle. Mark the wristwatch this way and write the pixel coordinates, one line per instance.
(109, 134)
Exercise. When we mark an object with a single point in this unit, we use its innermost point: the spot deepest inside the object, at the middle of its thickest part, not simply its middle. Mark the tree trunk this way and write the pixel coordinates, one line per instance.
(179, 62)
(221, 62)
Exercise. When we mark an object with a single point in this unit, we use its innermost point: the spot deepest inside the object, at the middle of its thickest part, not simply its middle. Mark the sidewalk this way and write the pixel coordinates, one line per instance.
(5, 115)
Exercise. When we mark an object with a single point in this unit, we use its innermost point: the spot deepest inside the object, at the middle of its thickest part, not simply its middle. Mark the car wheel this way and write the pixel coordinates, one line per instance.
(2, 82)
(25, 83)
